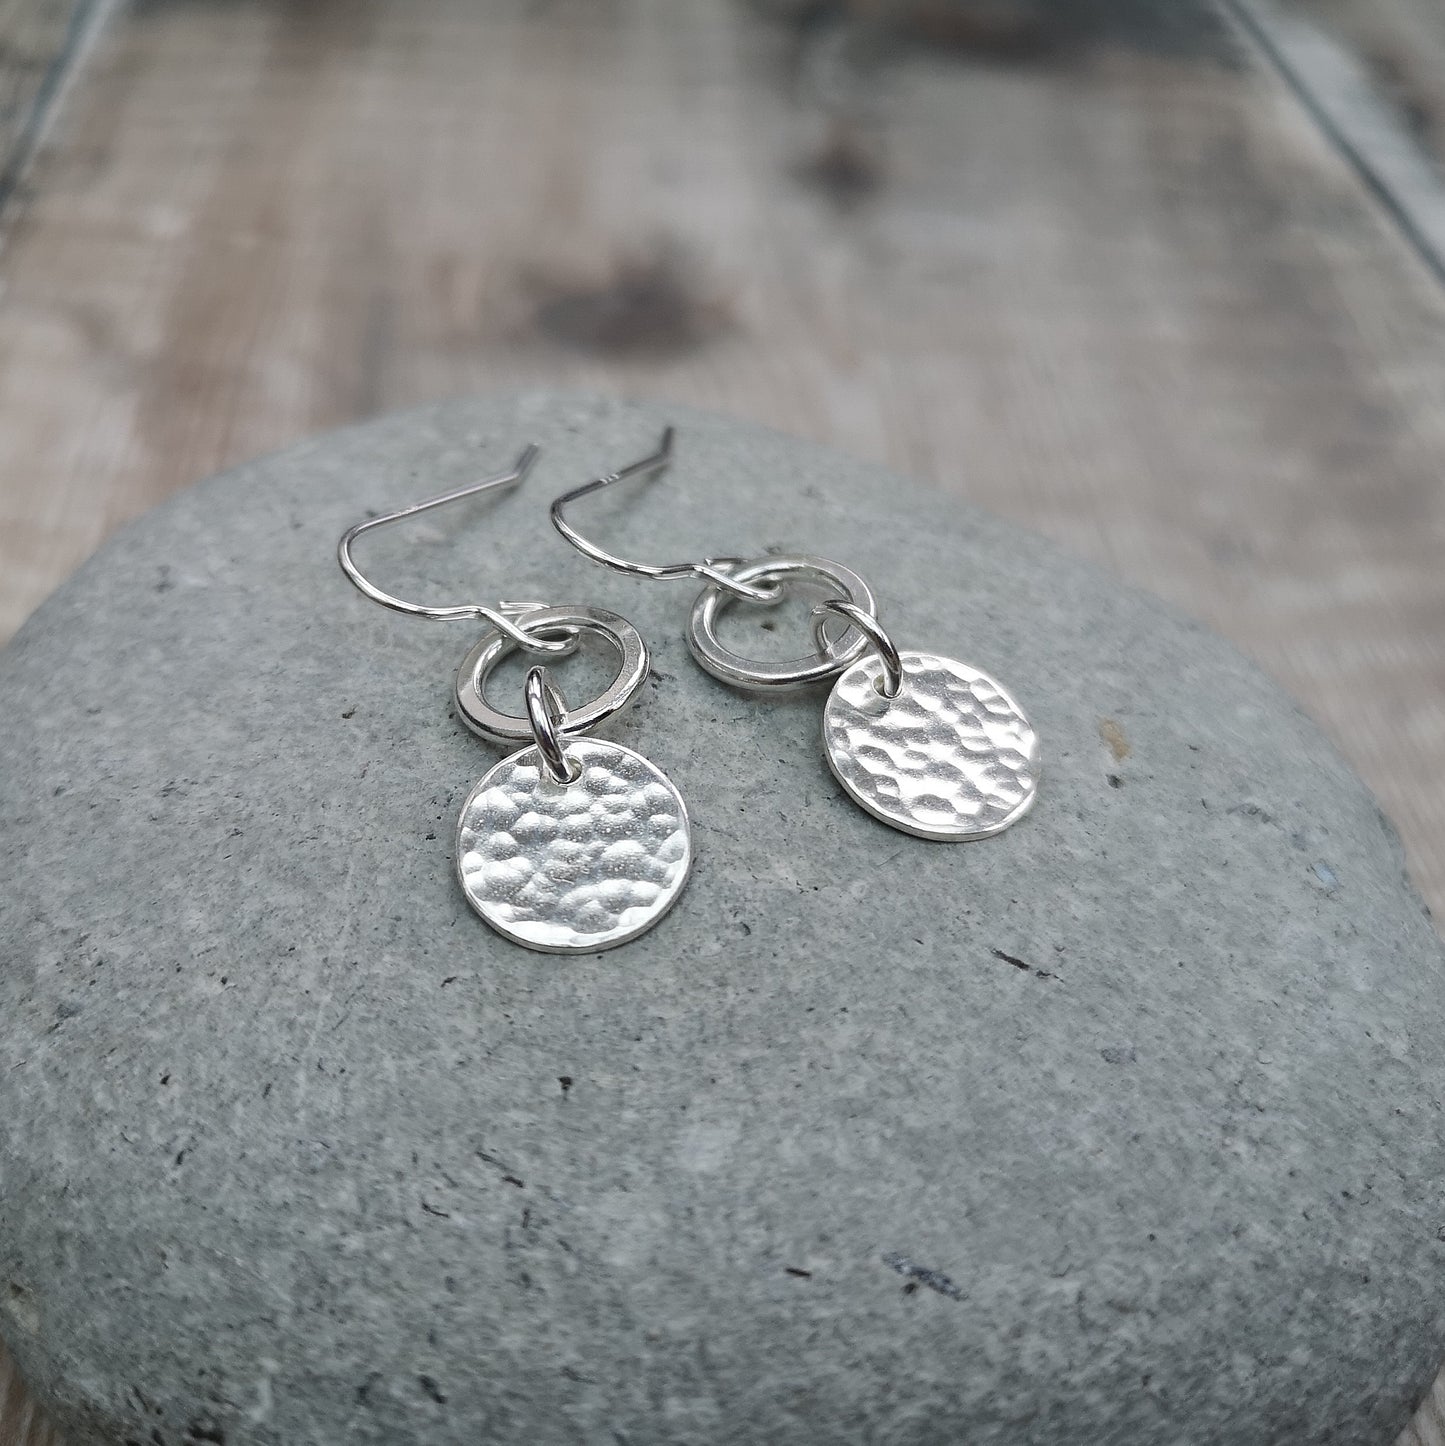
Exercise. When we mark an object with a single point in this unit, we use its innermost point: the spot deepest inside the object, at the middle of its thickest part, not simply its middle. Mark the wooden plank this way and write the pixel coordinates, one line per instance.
(1095, 266)
(37, 37)
(1428, 1427)
(1401, 43)
(1362, 108)
(21, 1423)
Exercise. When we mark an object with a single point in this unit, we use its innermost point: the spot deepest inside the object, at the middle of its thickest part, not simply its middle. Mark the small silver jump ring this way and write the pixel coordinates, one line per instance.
(892, 679)
(546, 712)
(825, 663)
(477, 712)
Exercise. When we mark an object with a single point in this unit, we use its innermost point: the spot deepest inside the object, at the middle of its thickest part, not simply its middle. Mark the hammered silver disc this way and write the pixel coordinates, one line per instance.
(571, 868)
(951, 757)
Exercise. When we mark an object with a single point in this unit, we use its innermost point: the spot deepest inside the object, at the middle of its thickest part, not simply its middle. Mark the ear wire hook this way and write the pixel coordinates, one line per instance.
(495, 616)
(714, 569)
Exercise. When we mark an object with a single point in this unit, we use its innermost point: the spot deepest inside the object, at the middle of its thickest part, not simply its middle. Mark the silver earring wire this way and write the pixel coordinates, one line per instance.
(714, 569)
(496, 616)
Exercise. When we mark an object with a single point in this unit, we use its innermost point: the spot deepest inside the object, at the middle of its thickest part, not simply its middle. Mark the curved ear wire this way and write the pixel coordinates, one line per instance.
(713, 569)
(496, 616)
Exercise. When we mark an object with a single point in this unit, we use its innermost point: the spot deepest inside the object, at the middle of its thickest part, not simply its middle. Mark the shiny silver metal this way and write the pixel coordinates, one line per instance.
(574, 867)
(830, 659)
(545, 712)
(481, 717)
(499, 616)
(571, 845)
(924, 743)
(892, 676)
(717, 570)
(952, 757)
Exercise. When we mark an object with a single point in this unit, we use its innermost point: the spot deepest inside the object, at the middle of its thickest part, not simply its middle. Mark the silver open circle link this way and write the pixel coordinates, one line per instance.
(471, 692)
(713, 657)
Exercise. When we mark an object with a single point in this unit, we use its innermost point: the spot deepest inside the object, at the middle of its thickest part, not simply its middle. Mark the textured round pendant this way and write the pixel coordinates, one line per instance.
(571, 868)
(951, 757)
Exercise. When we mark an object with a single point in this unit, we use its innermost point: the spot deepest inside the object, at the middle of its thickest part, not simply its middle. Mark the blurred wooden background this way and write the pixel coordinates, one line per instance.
(1161, 278)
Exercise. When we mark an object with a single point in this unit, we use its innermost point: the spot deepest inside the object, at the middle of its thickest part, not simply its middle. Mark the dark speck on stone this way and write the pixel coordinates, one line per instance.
(918, 1275)
(1012, 959)
(1119, 1054)
(1252, 810)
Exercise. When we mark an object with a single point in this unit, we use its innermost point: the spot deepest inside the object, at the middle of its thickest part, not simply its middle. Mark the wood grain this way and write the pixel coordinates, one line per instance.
(1402, 44)
(1094, 266)
(36, 37)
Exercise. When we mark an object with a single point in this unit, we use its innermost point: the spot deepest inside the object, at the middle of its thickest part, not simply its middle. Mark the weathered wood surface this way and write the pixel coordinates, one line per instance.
(1402, 44)
(36, 39)
(1094, 265)
(21, 1423)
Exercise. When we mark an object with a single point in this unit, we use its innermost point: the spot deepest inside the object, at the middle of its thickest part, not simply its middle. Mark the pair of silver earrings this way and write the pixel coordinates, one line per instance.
(575, 844)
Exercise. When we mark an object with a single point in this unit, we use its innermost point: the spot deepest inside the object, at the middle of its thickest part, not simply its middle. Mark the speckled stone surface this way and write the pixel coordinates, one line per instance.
(1122, 1127)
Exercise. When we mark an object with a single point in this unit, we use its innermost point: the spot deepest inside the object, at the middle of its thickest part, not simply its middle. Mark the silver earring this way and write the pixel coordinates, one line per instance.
(571, 845)
(927, 744)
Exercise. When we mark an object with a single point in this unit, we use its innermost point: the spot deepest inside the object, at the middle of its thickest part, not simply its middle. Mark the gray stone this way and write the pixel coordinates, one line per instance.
(1123, 1127)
